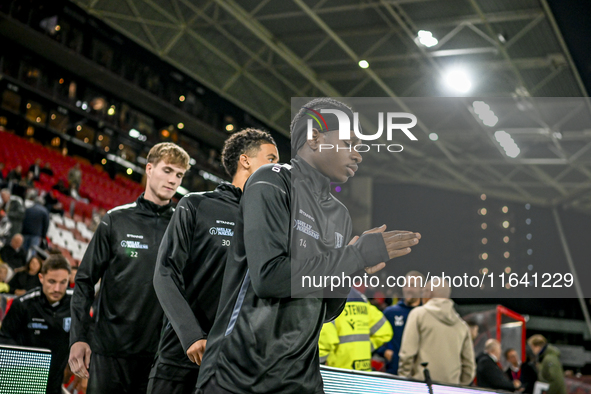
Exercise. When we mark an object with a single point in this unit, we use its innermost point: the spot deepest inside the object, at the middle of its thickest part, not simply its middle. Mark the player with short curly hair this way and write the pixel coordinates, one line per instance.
(191, 261)
(246, 142)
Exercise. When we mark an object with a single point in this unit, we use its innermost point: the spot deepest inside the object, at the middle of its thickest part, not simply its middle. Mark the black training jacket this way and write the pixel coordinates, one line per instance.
(264, 341)
(122, 253)
(33, 321)
(190, 268)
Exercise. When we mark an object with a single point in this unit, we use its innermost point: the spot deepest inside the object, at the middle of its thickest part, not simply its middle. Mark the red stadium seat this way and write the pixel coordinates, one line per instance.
(97, 187)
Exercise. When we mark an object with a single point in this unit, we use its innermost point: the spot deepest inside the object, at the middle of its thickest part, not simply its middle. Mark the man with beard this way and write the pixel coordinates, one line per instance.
(41, 318)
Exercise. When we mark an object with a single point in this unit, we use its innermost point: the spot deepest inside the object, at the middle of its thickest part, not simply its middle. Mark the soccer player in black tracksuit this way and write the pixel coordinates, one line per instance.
(41, 318)
(122, 254)
(263, 340)
(191, 260)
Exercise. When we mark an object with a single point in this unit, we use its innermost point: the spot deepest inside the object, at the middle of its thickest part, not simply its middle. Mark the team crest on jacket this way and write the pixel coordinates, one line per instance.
(398, 321)
(67, 323)
(338, 240)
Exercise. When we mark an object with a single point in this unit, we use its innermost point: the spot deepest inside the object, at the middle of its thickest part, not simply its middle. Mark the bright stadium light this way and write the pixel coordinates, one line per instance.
(426, 38)
(458, 80)
(363, 64)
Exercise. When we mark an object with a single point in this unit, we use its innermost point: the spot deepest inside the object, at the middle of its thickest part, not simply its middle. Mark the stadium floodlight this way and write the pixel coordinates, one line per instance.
(507, 143)
(363, 64)
(486, 115)
(425, 37)
(457, 79)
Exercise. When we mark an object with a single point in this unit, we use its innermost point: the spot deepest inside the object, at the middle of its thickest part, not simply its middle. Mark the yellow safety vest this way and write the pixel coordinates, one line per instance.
(349, 341)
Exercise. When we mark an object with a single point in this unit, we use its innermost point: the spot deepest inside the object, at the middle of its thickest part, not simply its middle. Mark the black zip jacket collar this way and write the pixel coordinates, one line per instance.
(229, 192)
(153, 207)
(318, 183)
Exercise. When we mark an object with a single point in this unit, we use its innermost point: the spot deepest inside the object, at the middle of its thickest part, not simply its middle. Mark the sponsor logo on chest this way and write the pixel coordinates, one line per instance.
(223, 231)
(305, 228)
(37, 326)
(133, 244)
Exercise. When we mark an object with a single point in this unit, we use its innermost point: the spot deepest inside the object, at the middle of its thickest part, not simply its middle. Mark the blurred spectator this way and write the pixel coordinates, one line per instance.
(52, 204)
(47, 169)
(35, 168)
(96, 219)
(2, 177)
(397, 315)
(378, 299)
(525, 373)
(14, 210)
(4, 288)
(488, 373)
(13, 253)
(27, 278)
(36, 221)
(60, 186)
(549, 366)
(28, 182)
(42, 319)
(75, 177)
(436, 334)
(474, 328)
(349, 340)
(16, 175)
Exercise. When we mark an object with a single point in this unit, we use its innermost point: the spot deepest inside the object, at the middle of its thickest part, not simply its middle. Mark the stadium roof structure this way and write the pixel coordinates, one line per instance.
(261, 53)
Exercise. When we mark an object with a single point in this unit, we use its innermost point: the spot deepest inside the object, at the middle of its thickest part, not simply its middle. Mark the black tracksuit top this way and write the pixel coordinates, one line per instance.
(263, 340)
(122, 253)
(190, 268)
(33, 321)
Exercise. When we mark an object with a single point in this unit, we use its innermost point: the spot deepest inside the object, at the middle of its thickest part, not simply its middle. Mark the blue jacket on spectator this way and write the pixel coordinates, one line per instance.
(36, 221)
(396, 315)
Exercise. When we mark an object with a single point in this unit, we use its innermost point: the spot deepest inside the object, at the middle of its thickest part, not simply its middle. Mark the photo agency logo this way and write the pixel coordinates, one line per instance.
(393, 123)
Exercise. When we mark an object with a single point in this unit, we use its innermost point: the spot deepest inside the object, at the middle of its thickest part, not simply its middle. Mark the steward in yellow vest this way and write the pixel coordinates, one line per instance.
(349, 341)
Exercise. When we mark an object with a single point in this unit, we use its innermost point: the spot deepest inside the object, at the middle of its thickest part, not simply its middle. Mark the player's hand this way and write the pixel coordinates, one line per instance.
(80, 359)
(195, 352)
(397, 242)
(388, 354)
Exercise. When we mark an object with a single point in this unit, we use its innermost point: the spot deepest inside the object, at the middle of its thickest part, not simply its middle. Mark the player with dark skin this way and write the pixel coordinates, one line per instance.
(243, 355)
(339, 165)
